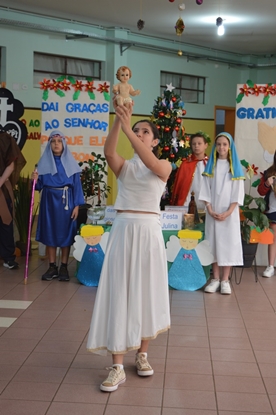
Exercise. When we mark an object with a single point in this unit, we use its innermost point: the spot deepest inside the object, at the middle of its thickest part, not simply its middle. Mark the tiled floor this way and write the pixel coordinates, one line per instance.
(219, 358)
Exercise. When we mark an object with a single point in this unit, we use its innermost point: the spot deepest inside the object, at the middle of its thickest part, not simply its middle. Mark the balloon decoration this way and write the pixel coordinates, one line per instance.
(199, 2)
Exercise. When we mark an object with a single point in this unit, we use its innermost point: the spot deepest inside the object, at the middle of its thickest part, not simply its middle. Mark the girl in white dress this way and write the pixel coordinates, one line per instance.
(132, 302)
(222, 190)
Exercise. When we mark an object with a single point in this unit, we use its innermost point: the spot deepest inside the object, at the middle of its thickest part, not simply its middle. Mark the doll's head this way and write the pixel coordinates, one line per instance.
(188, 239)
(123, 69)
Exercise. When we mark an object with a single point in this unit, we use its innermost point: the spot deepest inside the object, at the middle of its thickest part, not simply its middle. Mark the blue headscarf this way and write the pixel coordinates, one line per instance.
(47, 165)
(235, 165)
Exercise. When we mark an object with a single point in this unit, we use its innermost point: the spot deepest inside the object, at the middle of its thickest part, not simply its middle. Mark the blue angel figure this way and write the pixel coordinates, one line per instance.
(187, 257)
(89, 251)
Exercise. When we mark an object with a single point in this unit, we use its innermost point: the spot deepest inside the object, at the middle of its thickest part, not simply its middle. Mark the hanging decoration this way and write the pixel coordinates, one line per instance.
(179, 27)
(141, 23)
(199, 2)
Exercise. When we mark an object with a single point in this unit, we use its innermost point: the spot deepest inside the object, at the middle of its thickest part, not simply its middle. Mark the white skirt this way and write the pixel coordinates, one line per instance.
(132, 302)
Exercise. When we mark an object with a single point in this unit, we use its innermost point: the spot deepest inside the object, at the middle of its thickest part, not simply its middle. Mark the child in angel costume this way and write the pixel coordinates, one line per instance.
(58, 179)
(188, 256)
(89, 251)
(123, 90)
(222, 190)
(132, 302)
(189, 175)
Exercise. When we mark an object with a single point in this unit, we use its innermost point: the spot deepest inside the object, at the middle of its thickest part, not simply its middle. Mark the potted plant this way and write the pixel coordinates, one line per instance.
(254, 223)
(22, 205)
(253, 208)
(94, 184)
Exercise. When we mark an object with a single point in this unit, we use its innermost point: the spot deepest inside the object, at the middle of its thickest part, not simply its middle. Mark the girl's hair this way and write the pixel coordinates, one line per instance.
(154, 131)
(271, 171)
(123, 68)
(199, 134)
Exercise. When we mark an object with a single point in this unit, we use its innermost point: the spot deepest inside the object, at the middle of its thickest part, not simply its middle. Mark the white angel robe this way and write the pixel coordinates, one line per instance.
(224, 236)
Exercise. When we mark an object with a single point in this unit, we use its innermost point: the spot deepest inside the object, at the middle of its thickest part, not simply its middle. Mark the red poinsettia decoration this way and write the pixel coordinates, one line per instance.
(89, 86)
(45, 84)
(245, 90)
(252, 170)
(54, 85)
(253, 89)
(65, 85)
(103, 88)
(78, 86)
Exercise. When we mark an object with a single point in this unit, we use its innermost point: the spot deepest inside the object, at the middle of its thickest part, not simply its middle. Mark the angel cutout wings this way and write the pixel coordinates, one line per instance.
(188, 258)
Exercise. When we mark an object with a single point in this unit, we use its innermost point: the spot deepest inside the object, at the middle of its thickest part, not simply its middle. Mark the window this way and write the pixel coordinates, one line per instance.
(190, 88)
(53, 66)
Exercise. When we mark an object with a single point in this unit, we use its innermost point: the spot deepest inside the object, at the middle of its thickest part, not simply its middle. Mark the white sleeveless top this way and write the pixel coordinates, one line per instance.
(139, 189)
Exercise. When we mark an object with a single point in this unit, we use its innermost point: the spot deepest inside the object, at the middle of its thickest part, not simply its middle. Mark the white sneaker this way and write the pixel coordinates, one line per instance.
(142, 365)
(225, 287)
(213, 286)
(268, 272)
(115, 378)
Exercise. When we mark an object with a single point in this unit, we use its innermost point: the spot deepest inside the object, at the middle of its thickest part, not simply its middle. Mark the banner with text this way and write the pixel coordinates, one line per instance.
(79, 109)
(255, 129)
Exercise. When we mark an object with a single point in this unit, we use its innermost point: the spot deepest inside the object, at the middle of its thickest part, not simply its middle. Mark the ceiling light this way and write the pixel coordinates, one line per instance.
(219, 23)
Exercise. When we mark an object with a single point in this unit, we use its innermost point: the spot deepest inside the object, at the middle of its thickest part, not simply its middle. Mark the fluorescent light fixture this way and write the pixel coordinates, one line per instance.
(219, 23)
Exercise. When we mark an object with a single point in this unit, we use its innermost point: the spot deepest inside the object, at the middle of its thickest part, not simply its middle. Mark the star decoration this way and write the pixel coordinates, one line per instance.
(169, 87)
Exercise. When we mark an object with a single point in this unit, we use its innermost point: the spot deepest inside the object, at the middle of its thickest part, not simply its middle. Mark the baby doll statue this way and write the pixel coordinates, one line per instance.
(123, 90)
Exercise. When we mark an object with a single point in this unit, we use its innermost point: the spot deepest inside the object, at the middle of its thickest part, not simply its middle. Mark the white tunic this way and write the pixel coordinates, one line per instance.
(224, 236)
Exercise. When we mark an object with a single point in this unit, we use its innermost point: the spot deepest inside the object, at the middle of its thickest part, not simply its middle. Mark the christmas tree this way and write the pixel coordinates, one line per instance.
(174, 145)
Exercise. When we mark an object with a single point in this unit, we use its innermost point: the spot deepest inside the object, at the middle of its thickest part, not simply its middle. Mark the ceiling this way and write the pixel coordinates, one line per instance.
(249, 24)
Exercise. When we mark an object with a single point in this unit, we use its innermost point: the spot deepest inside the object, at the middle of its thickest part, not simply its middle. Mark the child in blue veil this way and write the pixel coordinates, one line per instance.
(222, 190)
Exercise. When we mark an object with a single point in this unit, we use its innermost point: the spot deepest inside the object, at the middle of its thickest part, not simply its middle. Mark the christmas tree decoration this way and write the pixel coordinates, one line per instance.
(199, 2)
(174, 144)
(180, 52)
(181, 6)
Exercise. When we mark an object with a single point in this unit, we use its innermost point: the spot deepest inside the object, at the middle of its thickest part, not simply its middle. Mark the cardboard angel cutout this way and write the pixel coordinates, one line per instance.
(89, 251)
(187, 257)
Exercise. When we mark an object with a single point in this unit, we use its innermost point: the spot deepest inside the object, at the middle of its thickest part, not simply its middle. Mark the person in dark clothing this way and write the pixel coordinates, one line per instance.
(11, 163)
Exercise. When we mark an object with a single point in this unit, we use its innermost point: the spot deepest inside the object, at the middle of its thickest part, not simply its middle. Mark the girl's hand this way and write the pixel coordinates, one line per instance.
(124, 112)
(269, 181)
(222, 216)
(34, 175)
(75, 213)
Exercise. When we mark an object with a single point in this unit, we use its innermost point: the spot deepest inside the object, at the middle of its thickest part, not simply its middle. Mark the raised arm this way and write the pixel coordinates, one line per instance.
(162, 168)
(113, 159)
(133, 92)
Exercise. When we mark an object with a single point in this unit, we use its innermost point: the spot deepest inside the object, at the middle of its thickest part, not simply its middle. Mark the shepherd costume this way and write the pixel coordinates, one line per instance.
(9, 153)
(61, 191)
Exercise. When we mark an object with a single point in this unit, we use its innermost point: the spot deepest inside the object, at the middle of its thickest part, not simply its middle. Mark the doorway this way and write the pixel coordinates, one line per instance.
(225, 120)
